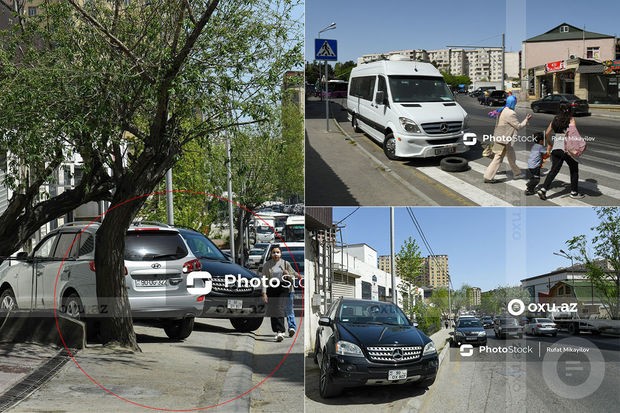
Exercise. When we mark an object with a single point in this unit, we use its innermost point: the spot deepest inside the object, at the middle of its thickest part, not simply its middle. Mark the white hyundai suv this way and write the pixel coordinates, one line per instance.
(157, 263)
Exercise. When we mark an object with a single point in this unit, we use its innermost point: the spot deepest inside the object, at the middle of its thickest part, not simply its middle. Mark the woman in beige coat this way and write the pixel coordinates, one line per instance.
(279, 276)
(504, 135)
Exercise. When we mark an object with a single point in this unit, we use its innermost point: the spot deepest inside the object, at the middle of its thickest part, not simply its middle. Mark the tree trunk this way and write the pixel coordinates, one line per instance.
(116, 324)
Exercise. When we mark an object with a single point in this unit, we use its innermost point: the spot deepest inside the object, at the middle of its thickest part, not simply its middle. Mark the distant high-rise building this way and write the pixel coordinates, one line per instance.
(384, 264)
(474, 296)
(436, 272)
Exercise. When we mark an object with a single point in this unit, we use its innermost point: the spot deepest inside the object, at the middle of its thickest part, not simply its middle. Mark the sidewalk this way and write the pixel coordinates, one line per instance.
(215, 367)
(335, 163)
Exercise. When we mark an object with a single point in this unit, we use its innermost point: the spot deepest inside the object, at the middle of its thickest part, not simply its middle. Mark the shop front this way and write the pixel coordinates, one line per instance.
(587, 79)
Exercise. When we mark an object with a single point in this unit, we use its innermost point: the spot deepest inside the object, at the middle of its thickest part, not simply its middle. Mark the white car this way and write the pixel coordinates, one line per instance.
(540, 326)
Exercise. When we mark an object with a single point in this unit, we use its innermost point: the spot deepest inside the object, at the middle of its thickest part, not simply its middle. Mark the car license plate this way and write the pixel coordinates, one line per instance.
(235, 304)
(445, 151)
(150, 283)
(397, 374)
(471, 338)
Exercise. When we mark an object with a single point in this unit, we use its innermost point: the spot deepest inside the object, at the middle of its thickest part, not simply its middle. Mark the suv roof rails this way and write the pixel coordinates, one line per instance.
(157, 223)
(76, 223)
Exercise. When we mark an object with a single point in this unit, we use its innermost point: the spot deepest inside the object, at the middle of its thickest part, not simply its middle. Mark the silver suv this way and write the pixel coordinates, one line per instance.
(157, 262)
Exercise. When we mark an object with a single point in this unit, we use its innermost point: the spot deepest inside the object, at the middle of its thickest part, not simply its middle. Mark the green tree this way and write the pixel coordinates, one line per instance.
(127, 86)
(342, 71)
(439, 298)
(409, 266)
(603, 269)
(428, 317)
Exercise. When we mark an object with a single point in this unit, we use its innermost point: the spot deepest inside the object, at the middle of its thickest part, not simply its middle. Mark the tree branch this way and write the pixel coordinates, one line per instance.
(114, 41)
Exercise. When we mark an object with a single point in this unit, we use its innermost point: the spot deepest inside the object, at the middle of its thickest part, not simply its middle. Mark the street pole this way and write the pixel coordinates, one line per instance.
(392, 259)
(326, 100)
(332, 26)
(230, 200)
(503, 59)
(169, 198)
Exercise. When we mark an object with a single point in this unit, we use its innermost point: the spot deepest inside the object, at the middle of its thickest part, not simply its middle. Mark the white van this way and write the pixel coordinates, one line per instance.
(407, 107)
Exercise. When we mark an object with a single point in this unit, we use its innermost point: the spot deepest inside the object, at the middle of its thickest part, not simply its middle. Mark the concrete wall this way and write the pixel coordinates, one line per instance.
(537, 54)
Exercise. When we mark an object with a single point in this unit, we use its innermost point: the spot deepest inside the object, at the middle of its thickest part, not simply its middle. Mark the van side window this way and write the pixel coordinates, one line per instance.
(363, 87)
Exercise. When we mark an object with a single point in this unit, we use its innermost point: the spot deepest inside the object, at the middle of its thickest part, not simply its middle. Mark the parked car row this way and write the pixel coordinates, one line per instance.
(158, 259)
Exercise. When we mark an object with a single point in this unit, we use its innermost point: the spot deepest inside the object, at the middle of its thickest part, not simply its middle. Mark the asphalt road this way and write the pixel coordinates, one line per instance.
(541, 381)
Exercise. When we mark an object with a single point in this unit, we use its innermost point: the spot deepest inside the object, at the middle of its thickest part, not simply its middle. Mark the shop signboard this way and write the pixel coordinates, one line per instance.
(554, 66)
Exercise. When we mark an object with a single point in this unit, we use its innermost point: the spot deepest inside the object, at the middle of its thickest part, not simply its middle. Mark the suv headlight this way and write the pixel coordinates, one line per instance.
(344, 348)
(460, 333)
(429, 348)
(409, 125)
(482, 334)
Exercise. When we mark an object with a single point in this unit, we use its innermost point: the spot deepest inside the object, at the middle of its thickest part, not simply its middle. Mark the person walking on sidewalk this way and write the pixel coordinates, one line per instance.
(290, 311)
(556, 136)
(538, 154)
(503, 136)
(277, 273)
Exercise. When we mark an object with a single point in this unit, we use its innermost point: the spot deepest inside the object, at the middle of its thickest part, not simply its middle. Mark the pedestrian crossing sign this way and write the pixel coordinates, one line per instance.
(325, 49)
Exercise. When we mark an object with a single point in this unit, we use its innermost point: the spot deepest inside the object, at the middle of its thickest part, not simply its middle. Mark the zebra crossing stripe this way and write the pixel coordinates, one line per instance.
(520, 184)
(469, 191)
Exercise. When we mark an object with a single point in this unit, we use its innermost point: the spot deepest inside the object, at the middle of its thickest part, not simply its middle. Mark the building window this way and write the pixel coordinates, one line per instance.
(563, 29)
(32, 11)
(593, 53)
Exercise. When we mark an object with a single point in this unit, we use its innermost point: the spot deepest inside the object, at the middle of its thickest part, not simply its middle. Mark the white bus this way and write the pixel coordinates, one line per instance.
(294, 228)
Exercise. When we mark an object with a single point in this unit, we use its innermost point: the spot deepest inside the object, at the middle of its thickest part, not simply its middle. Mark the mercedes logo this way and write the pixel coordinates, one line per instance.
(443, 128)
(156, 265)
(397, 354)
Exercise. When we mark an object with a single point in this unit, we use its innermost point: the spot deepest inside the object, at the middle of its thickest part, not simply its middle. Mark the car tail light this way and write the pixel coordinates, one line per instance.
(200, 299)
(193, 265)
(574, 104)
(91, 266)
(539, 325)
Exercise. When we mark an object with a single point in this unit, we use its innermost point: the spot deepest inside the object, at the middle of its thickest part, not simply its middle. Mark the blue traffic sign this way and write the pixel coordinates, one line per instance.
(325, 49)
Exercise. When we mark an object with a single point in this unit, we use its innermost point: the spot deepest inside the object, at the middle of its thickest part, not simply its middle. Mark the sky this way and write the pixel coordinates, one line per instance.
(370, 26)
(487, 247)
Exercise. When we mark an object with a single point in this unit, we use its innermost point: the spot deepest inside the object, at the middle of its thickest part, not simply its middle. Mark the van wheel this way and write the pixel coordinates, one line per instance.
(454, 164)
(355, 124)
(389, 147)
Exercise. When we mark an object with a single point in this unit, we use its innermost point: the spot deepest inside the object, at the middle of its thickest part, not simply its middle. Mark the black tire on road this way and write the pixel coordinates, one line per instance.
(535, 109)
(7, 300)
(573, 329)
(454, 164)
(179, 329)
(72, 306)
(246, 324)
(389, 147)
(327, 388)
(426, 382)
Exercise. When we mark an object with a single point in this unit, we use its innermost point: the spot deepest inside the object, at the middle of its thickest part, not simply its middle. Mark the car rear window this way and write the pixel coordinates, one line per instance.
(154, 246)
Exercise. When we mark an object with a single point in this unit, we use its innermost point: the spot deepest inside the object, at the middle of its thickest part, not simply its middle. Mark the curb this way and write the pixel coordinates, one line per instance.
(238, 378)
(384, 167)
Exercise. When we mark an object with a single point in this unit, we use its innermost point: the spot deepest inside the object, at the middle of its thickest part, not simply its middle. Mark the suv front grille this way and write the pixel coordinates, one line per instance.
(220, 287)
(440, 128)
(394, 354)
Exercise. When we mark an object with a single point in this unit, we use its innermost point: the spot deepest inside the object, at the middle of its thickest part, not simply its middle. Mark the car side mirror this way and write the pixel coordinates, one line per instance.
(451, 333)
(380, 98)
(415, 324)
(21, 255)
(325, 321)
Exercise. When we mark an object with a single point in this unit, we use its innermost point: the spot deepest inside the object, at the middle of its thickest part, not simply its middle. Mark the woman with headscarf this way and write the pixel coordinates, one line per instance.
(504, 134)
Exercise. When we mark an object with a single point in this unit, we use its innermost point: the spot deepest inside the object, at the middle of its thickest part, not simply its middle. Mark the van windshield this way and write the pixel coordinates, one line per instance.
(419, 89)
